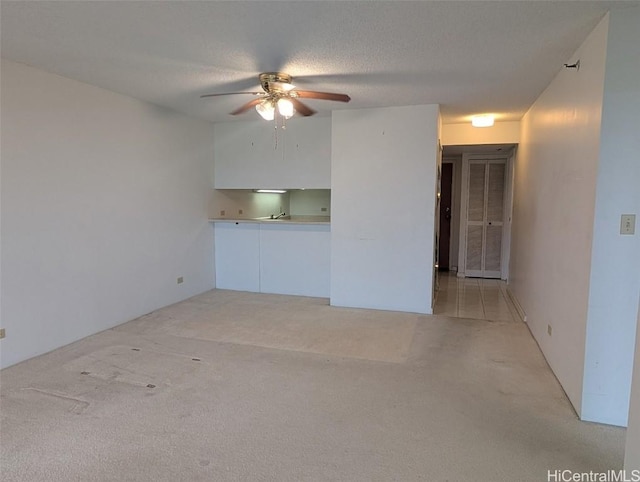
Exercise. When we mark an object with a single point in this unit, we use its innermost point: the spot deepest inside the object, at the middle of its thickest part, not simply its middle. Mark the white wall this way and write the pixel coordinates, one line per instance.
(632, 452)
(383, 200)
(615, 259)
(104, 205)
(466, 134)
(554, 197)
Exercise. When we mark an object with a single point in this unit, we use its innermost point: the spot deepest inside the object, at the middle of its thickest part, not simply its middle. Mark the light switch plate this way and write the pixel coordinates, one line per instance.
(628, 224)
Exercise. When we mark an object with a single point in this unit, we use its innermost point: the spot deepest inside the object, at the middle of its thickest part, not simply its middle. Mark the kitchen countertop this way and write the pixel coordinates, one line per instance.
(299, 219)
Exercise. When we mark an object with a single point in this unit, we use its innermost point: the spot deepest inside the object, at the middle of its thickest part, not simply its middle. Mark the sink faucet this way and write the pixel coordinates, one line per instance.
(274, 216)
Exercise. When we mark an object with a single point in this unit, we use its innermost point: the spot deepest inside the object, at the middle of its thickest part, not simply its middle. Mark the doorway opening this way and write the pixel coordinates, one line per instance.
(474, 229)
(446, 210)
(483, 239)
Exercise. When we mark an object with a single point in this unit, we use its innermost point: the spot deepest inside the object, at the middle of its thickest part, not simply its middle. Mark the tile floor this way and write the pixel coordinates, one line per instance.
(483, 299)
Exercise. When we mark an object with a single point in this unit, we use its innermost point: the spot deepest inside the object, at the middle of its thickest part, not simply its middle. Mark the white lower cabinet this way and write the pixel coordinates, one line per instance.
(237, 255)
(290, 259)
(295, 259)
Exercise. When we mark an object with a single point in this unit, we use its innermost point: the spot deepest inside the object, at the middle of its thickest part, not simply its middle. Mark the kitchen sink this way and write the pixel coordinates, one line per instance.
(269, 218)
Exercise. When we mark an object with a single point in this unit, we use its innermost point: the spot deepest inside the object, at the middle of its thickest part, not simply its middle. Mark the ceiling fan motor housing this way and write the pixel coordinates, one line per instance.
(270, 81)
(278, 89)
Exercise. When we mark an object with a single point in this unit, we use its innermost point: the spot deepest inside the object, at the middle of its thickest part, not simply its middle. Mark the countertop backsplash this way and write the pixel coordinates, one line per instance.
(248, 204)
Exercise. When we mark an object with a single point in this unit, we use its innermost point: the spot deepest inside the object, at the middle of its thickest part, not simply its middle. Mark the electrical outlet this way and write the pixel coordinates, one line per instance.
(2, 333)
(222, 212)
(628, 224)
(324, 210)
(240, 211)
(549, 330)
(180, 280)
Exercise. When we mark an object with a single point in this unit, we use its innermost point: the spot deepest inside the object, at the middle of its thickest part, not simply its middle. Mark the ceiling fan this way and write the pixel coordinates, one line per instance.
(279, 93)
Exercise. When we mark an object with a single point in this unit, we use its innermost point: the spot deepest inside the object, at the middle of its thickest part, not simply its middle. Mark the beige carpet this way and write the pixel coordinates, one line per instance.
(251, 387)
(286, 323)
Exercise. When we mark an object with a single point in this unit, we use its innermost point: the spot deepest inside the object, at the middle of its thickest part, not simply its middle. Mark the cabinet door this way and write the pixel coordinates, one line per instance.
(295, 259)
(244, 154)
(307, 158)
(252, 154)
(237, 251)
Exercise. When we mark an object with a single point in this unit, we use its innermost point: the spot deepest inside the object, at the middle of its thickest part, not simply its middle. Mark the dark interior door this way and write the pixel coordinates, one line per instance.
(446, 183)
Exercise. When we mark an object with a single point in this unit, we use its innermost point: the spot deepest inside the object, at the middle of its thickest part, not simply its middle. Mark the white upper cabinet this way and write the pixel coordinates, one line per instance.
(248, 155)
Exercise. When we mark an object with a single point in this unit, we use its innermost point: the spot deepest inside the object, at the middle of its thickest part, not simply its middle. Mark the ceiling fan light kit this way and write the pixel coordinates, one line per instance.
(285, 107)
(281, 93)
(266, 110)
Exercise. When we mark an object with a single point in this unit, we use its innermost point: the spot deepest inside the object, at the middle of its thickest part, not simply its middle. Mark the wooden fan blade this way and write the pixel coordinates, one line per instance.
(301, 108)
(230, 93)
(247, 106)
(309, 94)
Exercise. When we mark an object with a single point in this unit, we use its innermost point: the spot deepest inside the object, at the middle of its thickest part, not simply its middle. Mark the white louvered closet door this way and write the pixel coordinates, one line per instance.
(485, 218)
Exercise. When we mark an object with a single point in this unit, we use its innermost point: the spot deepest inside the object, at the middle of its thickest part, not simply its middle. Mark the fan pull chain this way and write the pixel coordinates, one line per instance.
(283, 127)
(284, 133)
(275, 134)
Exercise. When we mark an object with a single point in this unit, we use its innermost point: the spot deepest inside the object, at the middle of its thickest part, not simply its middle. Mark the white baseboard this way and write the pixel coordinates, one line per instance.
(516, 303)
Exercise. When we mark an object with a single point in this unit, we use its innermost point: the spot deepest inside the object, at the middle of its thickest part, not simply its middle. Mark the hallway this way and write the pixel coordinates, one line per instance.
(476, 298)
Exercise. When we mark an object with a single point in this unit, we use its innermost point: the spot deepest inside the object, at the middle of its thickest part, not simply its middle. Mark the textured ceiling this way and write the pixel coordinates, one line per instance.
(468, 56)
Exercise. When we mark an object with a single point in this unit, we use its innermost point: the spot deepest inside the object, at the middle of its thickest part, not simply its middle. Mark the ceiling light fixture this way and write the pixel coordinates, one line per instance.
(279, 91)
(485, 120)
(271, 191)
(285, 108)
(266, 110)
